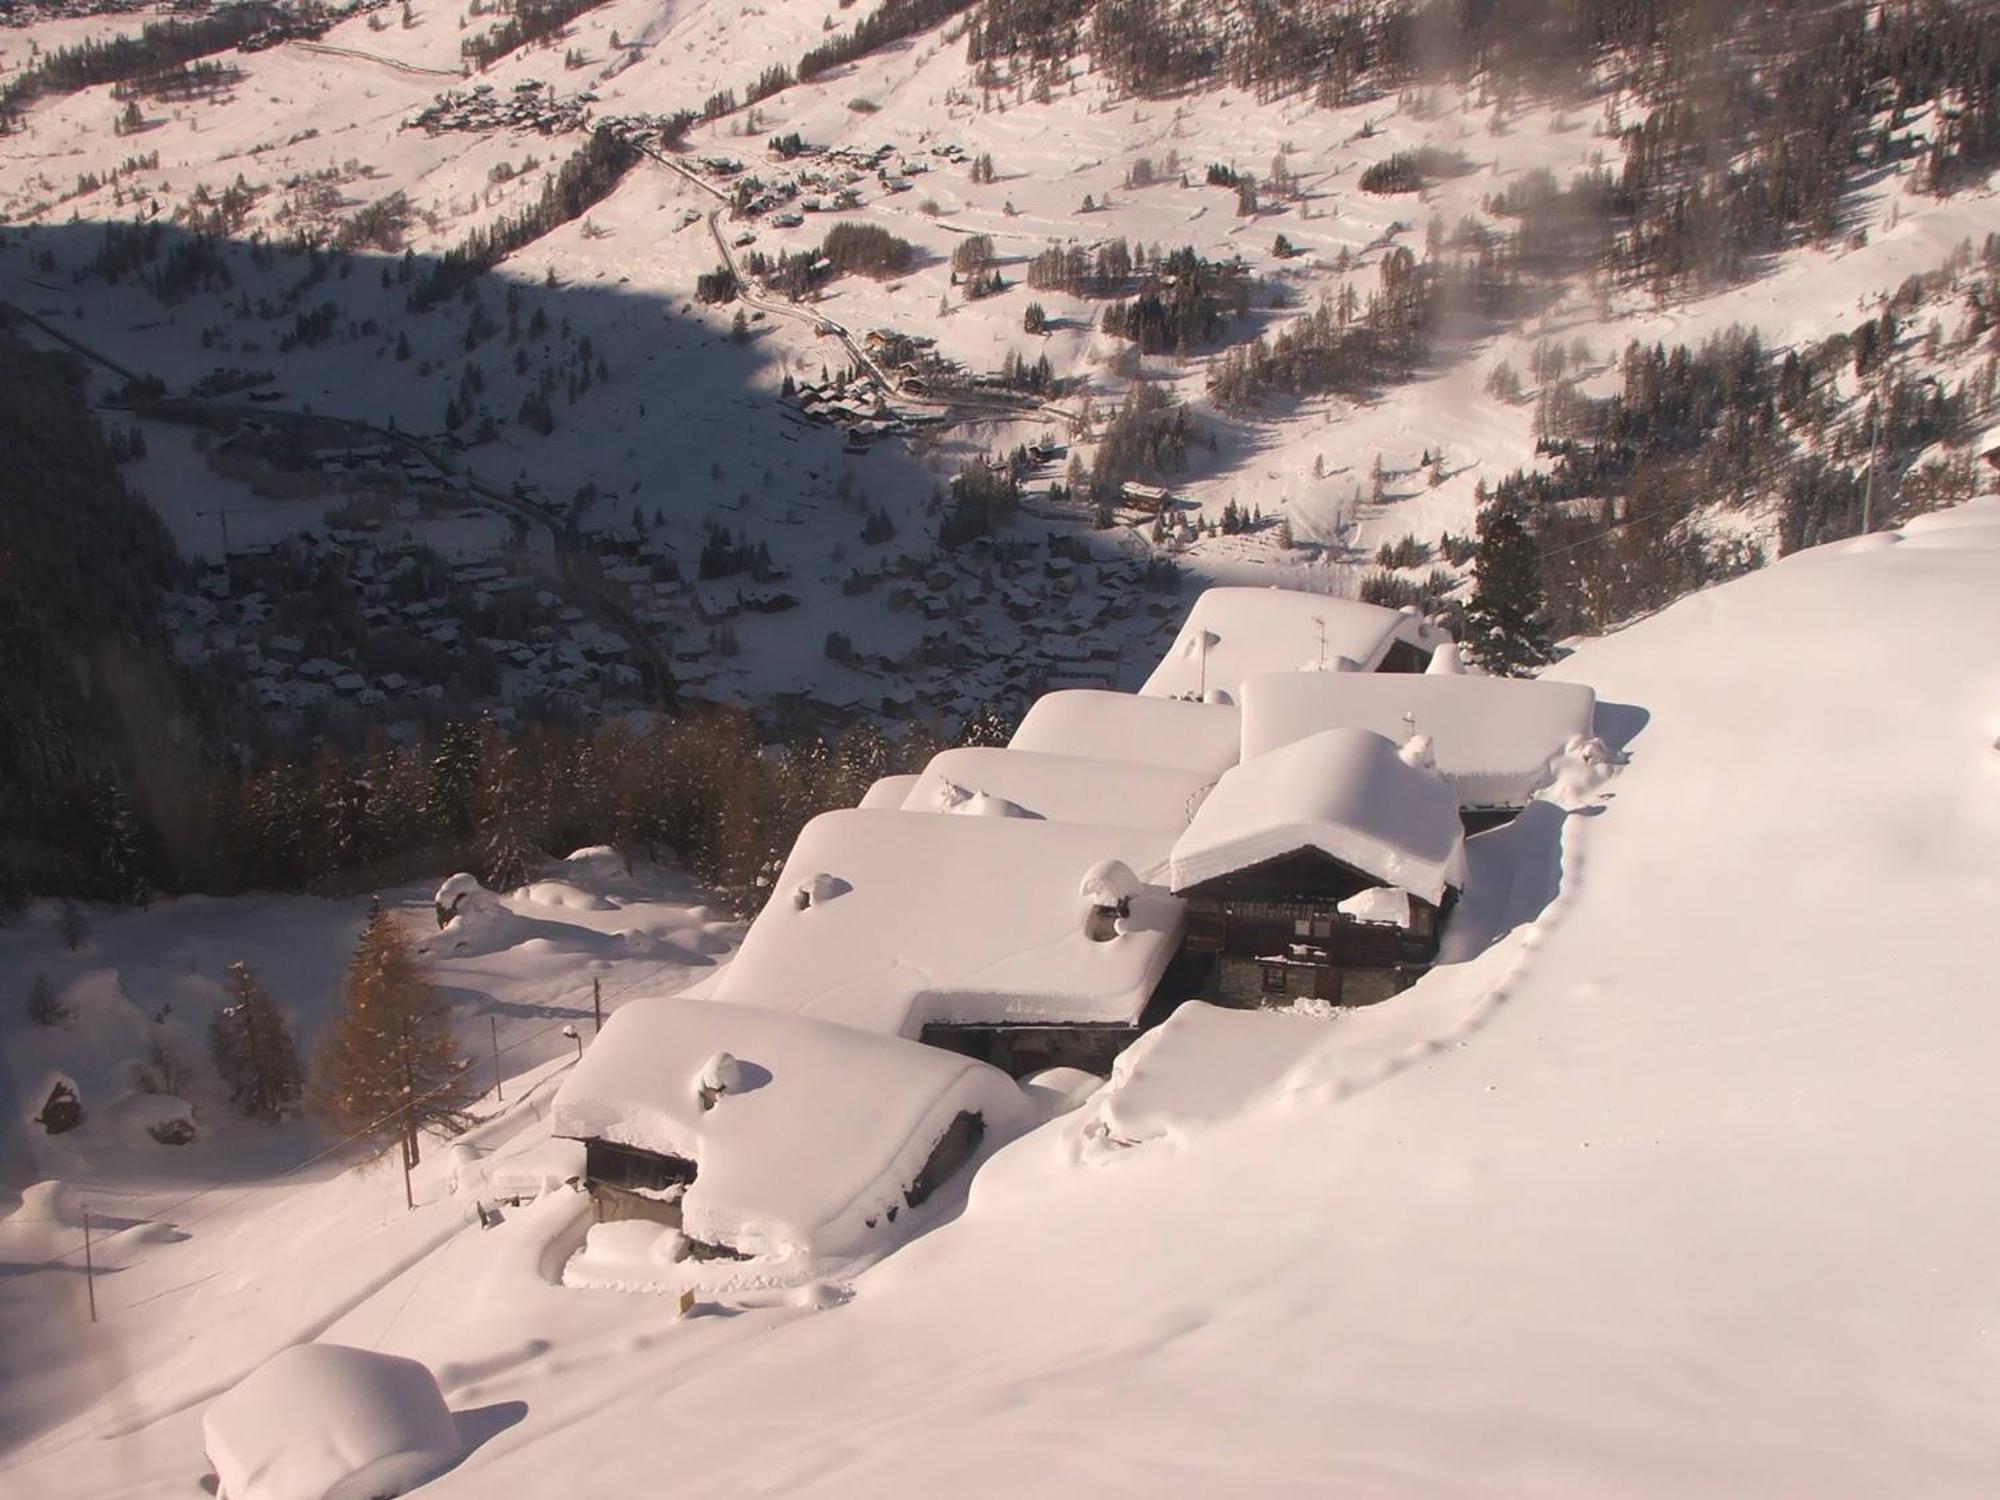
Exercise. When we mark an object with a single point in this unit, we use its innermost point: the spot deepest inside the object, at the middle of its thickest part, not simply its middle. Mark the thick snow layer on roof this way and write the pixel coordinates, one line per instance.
(890, 792)
(1064, 788)
(1234, 633)
(326, 1422)
(1103, 725)
(1344, 792)
(825, 1128)
(1493, 738)
(940, 918)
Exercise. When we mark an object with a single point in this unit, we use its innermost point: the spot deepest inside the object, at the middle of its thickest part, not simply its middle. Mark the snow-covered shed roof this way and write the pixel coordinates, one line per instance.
(822, 1129)
(1062, 788)
(317, 1420)
(1234, 633)
(1345, 792)
(1493, 738)
(889, 920)
(1104, 725)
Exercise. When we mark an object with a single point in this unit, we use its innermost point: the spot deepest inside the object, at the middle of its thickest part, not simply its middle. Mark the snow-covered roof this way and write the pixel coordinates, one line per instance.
(324, 1419)
(888, 793)
(1234, 633)
(1493, 738)
(822, 1129)
(1062, 788)
(1345, 792)
(1104, 725)
(931, 917)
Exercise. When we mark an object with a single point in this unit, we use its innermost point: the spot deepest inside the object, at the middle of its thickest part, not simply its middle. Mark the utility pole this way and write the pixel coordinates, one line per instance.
(493, 1024)
(89, 1268)
(597, 1004)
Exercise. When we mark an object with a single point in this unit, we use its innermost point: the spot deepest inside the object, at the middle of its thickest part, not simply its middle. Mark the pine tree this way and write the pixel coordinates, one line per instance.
(69, 926)
(1507, 627)
(45, 1008)
(252, 1049)
(389, 1068)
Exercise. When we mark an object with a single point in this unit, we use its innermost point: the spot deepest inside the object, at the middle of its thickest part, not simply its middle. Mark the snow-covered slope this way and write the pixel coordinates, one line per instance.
(685, 426)
(1674, 1182)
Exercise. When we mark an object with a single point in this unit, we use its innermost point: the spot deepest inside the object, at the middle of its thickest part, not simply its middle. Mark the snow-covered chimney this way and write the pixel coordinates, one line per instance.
(721, 1074)
(1108, 888)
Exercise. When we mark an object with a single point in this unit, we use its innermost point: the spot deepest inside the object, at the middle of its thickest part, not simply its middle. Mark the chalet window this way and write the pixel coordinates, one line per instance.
(1322, 927)
(1274, 979)
(1301, 927)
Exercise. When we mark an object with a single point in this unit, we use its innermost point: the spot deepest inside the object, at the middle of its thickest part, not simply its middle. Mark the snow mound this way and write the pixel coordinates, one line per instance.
(1203, 1065)
(563, 895)
(1060, 1090)
(595, 866)
(952, 798)
(462, 895)
(328, 1422)
(49, 1202)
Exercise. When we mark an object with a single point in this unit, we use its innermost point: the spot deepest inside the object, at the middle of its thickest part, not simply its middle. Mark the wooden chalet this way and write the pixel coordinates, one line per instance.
(1323, 870)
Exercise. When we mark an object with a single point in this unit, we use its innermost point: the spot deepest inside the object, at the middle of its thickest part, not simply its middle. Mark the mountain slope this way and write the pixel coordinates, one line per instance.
(1673, 1182)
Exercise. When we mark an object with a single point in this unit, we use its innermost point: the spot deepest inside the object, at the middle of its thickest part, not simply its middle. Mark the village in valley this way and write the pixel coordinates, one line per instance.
(858, 747)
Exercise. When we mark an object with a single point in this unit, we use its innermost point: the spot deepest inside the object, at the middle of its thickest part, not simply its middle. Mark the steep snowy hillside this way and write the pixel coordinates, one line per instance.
(1672, 1182)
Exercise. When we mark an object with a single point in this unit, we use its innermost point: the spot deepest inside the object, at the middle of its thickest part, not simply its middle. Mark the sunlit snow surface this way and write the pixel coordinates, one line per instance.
(1674, 1180)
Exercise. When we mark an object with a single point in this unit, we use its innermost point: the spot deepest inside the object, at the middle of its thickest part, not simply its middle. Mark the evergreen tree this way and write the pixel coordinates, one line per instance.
(389, 1068)
(1507, 628)
(510, 809)
(69, 926)
(44, 1007)
(252, 1049)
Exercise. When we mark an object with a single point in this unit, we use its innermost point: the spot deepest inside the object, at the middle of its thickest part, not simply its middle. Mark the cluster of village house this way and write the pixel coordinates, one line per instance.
(551, 649)
(528, 105)
(1278, 815)
(1004, 618)
(814, 179)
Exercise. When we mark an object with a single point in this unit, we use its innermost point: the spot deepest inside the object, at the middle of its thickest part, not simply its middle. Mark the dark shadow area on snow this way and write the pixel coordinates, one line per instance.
(479, 1425)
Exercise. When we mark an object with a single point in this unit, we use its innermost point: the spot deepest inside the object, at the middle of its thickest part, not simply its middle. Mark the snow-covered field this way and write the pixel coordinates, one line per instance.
(1671, 1180)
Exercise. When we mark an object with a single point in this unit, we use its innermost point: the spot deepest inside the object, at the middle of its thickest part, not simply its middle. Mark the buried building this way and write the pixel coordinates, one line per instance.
(1496, 741)
(756, 1133)
(1232, 634)
(970, 932)
(1322, 870)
